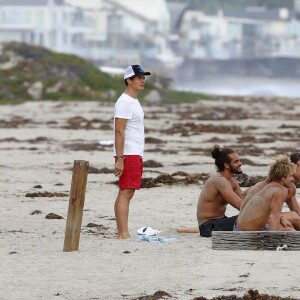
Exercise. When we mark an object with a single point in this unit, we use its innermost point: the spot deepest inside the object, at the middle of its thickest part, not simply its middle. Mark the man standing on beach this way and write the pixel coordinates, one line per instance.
(218, 191)
(263, 210)
(129, 144)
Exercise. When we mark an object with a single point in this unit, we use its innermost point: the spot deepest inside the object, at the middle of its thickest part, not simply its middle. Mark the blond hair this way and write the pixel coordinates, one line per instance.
(282, 167)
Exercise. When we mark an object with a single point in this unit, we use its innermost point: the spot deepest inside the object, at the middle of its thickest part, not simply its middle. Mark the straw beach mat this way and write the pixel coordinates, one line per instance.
(256, 240)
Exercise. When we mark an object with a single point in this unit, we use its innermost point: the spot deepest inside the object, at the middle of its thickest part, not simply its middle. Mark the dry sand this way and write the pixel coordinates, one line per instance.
(39, 142)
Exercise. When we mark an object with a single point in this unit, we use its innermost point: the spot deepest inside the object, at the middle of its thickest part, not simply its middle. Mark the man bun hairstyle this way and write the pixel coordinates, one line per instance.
(221, 156)
(216, 151)
(282, 167)
(295, 157)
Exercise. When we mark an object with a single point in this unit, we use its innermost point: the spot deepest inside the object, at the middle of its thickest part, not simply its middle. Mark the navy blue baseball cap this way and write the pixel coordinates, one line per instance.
(135, 70)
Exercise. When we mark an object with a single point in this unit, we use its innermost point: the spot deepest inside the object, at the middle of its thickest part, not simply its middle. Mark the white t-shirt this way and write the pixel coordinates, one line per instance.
(129, 108)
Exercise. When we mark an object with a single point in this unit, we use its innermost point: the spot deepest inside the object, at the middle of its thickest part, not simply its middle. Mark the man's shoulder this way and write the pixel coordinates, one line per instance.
(123, 97)
(259, 185)
(124, 101)
(213, 177)
(219, 181)
(278, 190)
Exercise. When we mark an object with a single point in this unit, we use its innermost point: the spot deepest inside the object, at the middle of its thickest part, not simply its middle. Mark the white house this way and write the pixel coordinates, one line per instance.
(203, 36)
(128, 31)
(253, 32)
(48, 23)
(116, 33)
(101, 30)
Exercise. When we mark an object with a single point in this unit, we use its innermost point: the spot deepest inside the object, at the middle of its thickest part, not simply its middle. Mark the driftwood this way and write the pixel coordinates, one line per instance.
(256, 240)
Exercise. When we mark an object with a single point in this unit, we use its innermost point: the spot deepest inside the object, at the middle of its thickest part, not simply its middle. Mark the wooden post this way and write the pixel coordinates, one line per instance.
(76, 203)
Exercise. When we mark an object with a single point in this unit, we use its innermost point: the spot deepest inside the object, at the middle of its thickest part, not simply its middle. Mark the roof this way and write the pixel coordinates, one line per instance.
(144, 10)
(176, 12)
(260, 14)
(149, 10)
(87, 4)
(27, 2)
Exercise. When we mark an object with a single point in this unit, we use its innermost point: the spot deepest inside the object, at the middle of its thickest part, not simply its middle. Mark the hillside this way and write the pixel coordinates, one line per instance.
(34, 73)
(30, 72)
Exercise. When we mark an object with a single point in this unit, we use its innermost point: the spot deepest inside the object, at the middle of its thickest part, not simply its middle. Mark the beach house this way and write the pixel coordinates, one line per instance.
(48, 23)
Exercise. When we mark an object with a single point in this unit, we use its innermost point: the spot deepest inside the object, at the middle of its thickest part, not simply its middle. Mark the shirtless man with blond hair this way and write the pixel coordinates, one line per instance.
(218, 191)
(262, 207)
(293, 215)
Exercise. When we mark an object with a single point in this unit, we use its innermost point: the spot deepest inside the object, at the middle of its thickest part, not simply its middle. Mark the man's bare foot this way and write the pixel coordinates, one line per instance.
(123, 236)
(188, 230)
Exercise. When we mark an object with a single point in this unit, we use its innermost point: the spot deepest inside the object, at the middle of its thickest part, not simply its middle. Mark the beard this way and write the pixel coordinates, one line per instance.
(235, 171)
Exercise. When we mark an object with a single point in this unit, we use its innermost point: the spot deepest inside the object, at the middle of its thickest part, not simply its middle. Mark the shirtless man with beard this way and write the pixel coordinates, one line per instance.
(218, 191)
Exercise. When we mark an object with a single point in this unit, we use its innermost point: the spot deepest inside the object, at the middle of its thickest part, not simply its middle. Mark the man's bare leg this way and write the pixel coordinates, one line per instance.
(188, 230)
(122, 211)
(294, 218)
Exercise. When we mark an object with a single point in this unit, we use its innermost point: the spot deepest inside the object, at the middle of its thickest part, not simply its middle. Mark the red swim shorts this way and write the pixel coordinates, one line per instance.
(131, 177)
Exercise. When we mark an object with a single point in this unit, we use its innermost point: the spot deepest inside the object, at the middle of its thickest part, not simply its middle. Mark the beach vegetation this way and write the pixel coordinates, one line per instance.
(35, 73)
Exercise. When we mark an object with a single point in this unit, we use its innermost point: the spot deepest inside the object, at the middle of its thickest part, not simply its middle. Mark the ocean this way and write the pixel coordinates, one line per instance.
(234, 86)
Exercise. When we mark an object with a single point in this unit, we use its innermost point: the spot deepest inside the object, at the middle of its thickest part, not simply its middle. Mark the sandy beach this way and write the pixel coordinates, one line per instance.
(39, 142)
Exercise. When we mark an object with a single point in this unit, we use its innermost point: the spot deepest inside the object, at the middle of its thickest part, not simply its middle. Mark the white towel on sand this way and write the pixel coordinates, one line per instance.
(148, 231)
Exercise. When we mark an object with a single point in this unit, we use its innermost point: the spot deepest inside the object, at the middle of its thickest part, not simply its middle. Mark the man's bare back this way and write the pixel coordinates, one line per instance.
(263, 204)
(291, 216)
(262, 208)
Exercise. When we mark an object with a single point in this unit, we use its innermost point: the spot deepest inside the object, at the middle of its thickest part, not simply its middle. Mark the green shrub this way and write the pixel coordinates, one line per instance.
(81, 79)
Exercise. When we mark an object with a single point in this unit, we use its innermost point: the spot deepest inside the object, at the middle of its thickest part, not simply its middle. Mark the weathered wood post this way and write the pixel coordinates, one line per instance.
(256, 240)
(76, 203)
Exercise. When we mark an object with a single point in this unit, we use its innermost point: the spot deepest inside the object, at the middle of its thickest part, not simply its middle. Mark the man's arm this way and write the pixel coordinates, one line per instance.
(291, 200)
(228, 194)
(276, 207)
(237, 189)
(120, 125)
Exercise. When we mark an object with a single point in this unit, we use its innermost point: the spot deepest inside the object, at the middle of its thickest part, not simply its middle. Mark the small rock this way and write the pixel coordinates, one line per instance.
(93, 170)
(46, 194)
(151, 140)
(38, 186)
(53, 216)
(152, 164)
(99, 226)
